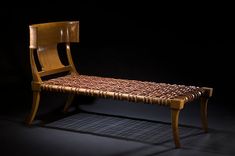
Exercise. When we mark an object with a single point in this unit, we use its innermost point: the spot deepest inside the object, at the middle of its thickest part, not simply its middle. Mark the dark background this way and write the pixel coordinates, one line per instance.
(183, 43)
(188, 44)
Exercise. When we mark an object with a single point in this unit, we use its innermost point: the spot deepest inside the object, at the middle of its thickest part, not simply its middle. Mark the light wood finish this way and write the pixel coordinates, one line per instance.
(44, 39)
(35, 73)
(68, 102)
(174, 124)
(68, 52)
(55, 71)
(36, 100)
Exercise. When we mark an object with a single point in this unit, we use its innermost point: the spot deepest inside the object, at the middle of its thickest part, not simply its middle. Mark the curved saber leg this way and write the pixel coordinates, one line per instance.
(204, 120)
(175, 128)
(35, 104)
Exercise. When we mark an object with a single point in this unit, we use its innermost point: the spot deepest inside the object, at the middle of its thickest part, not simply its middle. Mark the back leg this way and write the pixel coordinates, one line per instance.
(68, 102)
(204, 120)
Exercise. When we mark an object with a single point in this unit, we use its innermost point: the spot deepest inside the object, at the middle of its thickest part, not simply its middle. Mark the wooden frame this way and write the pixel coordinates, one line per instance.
(43, 44)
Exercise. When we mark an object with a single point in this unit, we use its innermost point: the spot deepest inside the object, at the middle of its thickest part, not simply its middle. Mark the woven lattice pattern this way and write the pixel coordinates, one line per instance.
(131, 90)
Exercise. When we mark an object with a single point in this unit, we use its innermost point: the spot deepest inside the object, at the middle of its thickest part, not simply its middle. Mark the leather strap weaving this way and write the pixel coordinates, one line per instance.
(131, 90)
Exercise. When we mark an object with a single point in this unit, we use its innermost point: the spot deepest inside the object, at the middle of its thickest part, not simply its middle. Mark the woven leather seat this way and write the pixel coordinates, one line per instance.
(44, 39)
(131, 90)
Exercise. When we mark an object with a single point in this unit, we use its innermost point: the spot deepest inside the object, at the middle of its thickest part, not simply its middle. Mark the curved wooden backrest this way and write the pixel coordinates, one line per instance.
(45, 38)
(47, 34)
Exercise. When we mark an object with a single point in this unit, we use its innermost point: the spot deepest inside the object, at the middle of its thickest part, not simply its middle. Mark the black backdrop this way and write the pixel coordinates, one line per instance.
(188, 44)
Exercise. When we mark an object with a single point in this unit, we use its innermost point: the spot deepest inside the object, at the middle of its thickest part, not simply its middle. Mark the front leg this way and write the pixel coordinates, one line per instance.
(34, 109)
(175, 128)
(204, 120)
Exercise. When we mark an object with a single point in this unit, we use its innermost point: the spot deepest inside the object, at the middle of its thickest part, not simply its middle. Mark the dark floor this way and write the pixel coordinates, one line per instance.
(19, 139)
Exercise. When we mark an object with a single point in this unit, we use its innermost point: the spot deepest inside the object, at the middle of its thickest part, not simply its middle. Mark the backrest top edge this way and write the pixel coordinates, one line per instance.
(61, 22)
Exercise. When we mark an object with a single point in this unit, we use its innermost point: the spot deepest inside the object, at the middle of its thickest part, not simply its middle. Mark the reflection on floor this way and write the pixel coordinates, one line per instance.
(117, 128)
(122, 128)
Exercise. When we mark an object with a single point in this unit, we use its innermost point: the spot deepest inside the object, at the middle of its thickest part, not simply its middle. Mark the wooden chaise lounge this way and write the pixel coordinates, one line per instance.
(43, 44)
